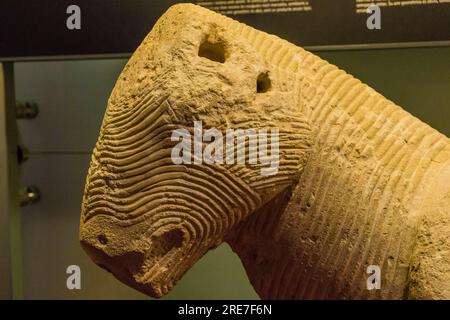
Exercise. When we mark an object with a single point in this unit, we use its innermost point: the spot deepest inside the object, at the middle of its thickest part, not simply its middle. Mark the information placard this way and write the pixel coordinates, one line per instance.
(42, 29)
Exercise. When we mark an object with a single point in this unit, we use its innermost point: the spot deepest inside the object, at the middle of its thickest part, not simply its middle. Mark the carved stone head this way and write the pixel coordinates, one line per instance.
(166, 183)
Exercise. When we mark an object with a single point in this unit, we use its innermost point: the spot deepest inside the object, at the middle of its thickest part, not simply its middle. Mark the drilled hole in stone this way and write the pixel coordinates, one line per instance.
(102, 239)
(263, 83)
(167, 241)
(212, 51)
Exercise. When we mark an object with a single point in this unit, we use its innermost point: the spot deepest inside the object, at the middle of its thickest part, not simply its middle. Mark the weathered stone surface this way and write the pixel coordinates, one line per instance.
(360, 182)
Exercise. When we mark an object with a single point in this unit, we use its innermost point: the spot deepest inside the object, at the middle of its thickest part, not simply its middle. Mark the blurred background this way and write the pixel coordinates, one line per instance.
(72, 96)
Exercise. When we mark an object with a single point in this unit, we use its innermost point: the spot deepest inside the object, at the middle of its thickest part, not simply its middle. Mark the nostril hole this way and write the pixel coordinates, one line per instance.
(212, 51)
(263, 83)
(102, 239)
(167, 241)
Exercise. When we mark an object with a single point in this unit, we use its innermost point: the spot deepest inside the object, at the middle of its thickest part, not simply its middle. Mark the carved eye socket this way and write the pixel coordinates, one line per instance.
(212, 51)
(263, 83)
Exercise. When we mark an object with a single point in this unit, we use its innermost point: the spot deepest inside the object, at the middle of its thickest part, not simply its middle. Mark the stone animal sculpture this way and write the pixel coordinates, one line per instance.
(360, 181)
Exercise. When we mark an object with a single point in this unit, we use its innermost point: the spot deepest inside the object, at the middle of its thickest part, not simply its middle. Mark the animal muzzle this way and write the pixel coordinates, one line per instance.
(151, 262)
(148, 229)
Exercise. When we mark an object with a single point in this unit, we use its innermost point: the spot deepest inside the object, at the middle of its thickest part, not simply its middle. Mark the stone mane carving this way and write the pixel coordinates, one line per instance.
(360, 181)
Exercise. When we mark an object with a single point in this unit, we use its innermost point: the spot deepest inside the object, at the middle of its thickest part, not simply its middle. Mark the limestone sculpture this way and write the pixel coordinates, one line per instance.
(360, 182)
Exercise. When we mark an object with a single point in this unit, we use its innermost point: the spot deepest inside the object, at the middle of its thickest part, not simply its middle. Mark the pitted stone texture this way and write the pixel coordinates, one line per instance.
(360, 182)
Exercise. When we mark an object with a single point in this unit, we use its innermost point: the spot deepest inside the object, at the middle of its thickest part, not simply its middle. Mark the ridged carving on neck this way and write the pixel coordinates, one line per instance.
(359, 197)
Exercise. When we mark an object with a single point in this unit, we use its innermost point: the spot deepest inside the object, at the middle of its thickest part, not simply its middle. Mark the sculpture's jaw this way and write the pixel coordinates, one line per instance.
(151, 263)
